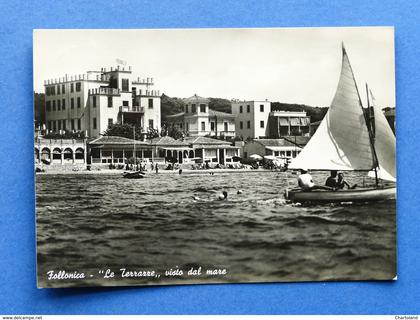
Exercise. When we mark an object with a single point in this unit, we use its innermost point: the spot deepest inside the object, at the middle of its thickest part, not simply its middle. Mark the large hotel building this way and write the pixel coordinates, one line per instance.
(93, 101)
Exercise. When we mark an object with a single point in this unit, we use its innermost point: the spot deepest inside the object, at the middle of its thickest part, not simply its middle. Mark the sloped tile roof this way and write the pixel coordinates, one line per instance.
(196, 99)
(204, 141)
(108, 140)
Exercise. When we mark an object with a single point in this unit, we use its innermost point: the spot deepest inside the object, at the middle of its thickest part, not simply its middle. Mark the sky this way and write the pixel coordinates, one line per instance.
(300, 65)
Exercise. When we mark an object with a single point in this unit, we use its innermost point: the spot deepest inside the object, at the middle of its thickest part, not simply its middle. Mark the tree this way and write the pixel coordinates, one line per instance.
(170, 106)
(219, 104)
(39, 108)
(124, 130)
(172, 131)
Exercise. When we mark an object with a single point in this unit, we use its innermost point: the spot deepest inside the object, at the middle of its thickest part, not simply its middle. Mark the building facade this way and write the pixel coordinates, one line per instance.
(283, 149)
(199, 120)
(251, 118)
(93, 101)
(118, 150)
(288, 123)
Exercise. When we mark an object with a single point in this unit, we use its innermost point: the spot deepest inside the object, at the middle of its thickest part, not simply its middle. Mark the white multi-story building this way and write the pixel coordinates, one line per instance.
(93, 101)
(199, 120)
(251, 118)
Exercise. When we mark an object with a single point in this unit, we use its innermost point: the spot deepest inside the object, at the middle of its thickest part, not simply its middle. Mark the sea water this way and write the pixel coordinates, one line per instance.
(168, 223)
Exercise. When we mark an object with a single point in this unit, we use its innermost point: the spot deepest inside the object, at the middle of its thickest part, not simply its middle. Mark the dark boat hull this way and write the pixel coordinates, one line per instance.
(357, 195)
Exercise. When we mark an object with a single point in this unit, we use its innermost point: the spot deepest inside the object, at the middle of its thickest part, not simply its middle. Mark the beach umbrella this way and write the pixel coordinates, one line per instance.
(255, 157)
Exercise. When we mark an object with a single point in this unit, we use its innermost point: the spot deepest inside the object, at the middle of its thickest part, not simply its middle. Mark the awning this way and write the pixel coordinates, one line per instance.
(283, 122)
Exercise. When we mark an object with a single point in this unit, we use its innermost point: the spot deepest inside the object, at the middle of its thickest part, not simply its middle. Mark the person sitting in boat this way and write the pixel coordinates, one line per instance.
(332, 180)
(306, 183)
(341, 183)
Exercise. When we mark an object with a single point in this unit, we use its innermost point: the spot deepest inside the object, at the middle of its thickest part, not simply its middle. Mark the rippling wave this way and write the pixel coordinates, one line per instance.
(91, 222)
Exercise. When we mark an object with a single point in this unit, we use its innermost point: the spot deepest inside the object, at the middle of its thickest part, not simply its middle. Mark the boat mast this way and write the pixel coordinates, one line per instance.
(134, 146)
(372, 144)
(372, 132)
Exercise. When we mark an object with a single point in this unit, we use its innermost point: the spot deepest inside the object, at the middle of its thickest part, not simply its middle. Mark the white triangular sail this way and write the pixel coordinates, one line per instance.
(385, 145)
(342, 140)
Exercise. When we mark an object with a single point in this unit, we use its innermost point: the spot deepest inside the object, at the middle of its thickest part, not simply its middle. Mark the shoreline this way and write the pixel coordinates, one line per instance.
(149, 172)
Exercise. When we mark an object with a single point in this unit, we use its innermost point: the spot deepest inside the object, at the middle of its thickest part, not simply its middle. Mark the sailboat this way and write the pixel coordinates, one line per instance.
(345, 141)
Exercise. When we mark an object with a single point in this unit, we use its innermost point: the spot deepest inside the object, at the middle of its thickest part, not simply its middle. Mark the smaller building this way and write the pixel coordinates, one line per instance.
(251, 118)
(49, 152)
(284, 149)
(199, 120)
(390, 116)
(118, 150)
(288, 123)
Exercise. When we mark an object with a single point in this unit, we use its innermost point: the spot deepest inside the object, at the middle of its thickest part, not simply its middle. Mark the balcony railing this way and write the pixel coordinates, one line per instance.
(132, 109)
(105, 91)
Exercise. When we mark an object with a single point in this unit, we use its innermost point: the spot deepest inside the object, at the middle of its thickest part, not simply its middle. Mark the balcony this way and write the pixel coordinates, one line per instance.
(133, 109)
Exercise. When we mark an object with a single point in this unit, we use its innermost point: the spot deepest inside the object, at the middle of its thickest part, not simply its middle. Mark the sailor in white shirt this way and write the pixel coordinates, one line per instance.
(305, 180)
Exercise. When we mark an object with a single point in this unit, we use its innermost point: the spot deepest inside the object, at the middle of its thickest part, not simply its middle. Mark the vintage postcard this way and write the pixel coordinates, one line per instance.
(191, 156)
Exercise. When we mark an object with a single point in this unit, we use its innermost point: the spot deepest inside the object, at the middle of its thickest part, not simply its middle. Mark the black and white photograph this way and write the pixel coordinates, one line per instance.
(198, 156)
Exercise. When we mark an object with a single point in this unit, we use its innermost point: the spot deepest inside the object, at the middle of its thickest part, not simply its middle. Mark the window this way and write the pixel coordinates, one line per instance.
(261, 108)
(180, 125)
(94, 101)
(59, 124)
(47, 91)
(248, 124)
(188, 126)
(150, 123)
(186, 109)
(193, 108)
(54, 126)
(125, 103)
(64, 125)
(240, 109)
(150, 103)
(211, 126)
(94, 123)
(63, 89)
(241, 125)
(58, 89)
(202, 108)
(109, 102)
(48, 105)
(248, 108)
(72, 103)
(72, 87)
(110, 122)
(63, 104)
(124, 85)
(226, 126)
(78, 86)
(52, 90)
(58, 105)
(261, 124)
(49, 125)
(72, 124)
(78, 102)
(79, 124)
(53, 105)
(203, 126)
